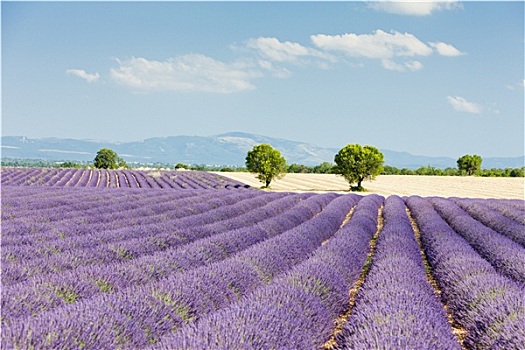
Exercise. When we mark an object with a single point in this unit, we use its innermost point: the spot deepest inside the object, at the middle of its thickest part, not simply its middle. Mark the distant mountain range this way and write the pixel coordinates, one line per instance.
(224, 150)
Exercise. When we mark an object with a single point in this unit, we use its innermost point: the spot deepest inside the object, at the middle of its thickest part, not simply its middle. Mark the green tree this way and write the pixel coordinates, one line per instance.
(390, 170)
(108, 159)
(266, 162)
(471, 164)
(324, 168)
(356, 164)
(429, 170)
(68, 164)
(517, 172)
(450, 171)
(299, 169)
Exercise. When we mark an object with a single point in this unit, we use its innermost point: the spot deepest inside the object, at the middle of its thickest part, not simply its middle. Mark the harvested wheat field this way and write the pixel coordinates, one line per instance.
(402, 185)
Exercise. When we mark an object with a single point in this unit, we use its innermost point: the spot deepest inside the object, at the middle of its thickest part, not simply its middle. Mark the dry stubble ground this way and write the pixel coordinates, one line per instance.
(402, 185)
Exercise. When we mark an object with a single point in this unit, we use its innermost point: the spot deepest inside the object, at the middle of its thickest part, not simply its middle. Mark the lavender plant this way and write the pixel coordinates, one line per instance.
(128, 315)
(42, 291)
(503, 253)
(117, 245)
(486, 304)
(396, 306)
(513, 209)
(117, 178)
(297, 310)
(494, 219)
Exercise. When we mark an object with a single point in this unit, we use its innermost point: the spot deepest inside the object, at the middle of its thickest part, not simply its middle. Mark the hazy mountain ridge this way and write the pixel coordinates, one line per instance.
(224, 149)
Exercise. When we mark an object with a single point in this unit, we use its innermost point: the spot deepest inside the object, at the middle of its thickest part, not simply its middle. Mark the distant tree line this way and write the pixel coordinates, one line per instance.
(467, 165)
(323, 168)
(329, 168)
(41, 163)
(430, 170)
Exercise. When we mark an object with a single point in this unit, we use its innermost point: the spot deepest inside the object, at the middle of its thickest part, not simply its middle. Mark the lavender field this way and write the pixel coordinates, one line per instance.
(202, 262)
(116, 178)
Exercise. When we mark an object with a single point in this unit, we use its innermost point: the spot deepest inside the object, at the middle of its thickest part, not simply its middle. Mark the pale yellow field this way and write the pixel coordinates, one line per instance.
(402, 185)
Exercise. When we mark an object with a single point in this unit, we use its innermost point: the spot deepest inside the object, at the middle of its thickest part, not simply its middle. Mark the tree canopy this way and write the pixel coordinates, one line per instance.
(108, 159)
(266, 162)
(471, 164)
(356, 164)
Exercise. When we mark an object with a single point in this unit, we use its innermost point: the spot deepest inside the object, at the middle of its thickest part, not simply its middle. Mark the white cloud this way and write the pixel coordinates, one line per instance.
(270, 56)
(192, 72)
(277, 72)
(407, 66)
(288, 52)
(82, 74)
(275, 50)
(413, 7)
(393, 49)
(445, 49)
(379, 45)
(462, 105)
(414, 65)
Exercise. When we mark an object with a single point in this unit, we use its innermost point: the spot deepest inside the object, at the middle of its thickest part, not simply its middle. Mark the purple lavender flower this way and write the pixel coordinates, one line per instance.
(396, 306)
(488, 305)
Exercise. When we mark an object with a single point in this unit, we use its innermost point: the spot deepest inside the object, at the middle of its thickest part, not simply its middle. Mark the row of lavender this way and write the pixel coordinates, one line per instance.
(116, 178)
(101, 238)
(221, 259)
(249, 269)
(486, 296)
(396, 308)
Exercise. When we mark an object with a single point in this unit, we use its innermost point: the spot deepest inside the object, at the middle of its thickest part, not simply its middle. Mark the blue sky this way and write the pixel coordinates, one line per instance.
(436, 79)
